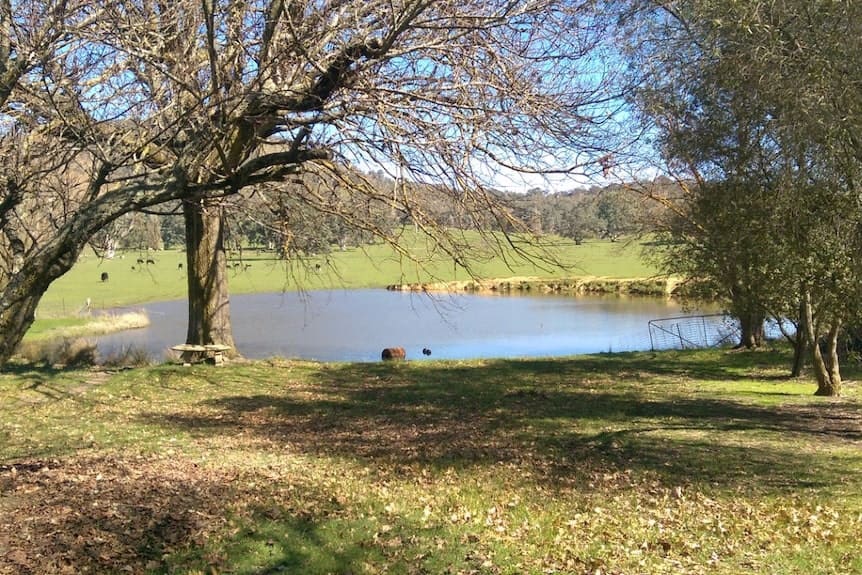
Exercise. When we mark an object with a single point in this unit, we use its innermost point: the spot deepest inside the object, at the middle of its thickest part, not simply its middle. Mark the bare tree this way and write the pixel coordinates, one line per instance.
(449, 92)
(199, 100)
(40, 182)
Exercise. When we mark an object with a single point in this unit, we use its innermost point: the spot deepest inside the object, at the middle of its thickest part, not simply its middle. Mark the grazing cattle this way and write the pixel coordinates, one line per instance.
(393, 353)
(426, 351)
(151, 262)
(180, 266)
(140, 261)
(104, 276)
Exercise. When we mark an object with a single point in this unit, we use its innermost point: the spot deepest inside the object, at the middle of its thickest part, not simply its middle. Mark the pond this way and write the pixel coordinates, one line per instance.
(355, 325)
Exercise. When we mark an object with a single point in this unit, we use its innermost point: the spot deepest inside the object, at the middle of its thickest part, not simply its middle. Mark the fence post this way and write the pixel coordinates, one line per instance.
(651, 344)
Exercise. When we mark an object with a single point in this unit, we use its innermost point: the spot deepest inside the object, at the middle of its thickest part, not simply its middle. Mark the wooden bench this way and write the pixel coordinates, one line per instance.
(211, 353)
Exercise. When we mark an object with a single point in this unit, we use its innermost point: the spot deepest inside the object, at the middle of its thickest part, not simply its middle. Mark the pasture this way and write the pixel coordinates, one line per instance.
(131, 282)
(676, 462)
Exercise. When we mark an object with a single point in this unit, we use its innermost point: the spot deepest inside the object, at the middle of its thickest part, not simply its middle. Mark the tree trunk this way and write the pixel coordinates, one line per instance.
(20, 299)
(800, 350)
(829, 372)
(800, 343)
(826, 366)
(25, 289)
(15, 319)
(751, 326)
(209, 302)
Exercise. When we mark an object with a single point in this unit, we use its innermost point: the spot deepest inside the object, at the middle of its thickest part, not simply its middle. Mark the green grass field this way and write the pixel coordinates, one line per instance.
(678, 462)
(372, 266)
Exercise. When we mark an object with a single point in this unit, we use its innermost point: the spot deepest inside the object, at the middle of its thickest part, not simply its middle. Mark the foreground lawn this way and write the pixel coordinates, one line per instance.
(677, 462)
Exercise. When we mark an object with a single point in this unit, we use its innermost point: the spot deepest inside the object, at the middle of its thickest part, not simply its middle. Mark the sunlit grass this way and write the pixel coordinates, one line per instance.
(89, 325)
(377, 265)
(672, 462)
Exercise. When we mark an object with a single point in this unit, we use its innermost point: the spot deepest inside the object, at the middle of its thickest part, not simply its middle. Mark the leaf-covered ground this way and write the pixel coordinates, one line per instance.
(696, 462)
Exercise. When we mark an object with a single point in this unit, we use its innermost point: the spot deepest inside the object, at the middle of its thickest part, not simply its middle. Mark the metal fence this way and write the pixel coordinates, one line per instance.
(692, 332)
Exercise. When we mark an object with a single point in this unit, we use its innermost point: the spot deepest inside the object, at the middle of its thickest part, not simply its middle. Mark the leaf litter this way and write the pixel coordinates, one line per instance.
(297, 468)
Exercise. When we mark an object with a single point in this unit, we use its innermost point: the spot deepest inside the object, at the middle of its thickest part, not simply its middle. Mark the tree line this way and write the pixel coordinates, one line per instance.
(289, 227)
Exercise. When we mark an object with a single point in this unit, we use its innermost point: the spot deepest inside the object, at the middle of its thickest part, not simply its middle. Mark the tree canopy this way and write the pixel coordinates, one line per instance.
(750, 106)
(146, 102)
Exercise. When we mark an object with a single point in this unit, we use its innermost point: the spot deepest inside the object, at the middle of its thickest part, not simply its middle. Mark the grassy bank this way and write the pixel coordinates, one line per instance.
(678, 462)
(655, 286)
(132, 283)
(52, 328)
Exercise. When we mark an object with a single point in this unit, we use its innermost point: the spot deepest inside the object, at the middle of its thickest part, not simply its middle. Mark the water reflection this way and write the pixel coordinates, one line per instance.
(355, 325)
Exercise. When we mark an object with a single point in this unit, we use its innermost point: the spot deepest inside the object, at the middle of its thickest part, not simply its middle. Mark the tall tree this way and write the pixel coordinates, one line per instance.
(35, 182)
(154, 101)
(450, 92)
(752, 111)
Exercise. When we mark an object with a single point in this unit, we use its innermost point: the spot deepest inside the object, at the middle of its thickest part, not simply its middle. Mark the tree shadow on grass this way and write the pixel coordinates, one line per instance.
(565, 419)
(99, 515)
(40, 378)
(639, 366)
(137, 515)
(49, 382)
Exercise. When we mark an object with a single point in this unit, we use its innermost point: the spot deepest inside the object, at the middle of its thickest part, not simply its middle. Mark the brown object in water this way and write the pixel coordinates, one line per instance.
(393, 353)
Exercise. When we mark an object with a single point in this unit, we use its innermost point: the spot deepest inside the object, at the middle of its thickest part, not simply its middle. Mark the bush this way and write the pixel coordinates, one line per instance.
(67, 352)
(128, 356)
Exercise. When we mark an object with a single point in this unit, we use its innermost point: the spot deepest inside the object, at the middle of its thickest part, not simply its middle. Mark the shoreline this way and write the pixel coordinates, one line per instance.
(659, 286)
(101, 324)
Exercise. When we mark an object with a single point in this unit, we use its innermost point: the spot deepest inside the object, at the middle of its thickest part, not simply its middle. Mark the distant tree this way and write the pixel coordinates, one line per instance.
(173, 231)
(144, 232)
(530, 208)
(552, 210)
(616, 211)
(580, 219)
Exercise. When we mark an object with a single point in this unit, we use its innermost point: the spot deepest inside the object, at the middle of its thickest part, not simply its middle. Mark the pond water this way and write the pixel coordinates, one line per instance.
(355, 325)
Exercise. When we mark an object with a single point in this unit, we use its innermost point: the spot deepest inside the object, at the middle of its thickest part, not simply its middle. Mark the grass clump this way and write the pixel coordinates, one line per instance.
(127, 356)
(56, 328)
(672, 462)
(58, 342)
(65, 353)
(71, 352)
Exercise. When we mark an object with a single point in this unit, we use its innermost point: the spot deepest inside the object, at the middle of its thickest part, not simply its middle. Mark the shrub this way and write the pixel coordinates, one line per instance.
(68, 352)
(127, 356)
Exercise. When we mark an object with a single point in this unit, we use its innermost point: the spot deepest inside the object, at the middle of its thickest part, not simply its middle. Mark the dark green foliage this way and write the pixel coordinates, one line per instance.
(751, 106)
